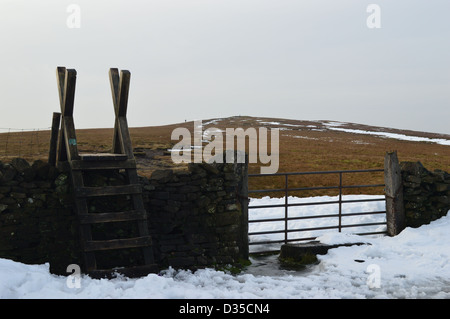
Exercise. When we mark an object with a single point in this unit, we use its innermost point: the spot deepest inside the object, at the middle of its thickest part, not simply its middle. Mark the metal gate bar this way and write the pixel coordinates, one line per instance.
(340, 187)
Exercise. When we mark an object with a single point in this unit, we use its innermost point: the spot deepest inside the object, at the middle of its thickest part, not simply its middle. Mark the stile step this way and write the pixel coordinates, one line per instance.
(97, 245)
(102, 165)
(109, 190)
(94, 218)
(103, 157)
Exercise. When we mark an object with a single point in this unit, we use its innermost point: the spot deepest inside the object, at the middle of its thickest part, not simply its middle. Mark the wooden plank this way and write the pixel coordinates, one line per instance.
(242, 192)
(62, 151)
(117, 141)
(103, 157)
(125, 136)
(97, 245)
(66, 87)
(60, 79)
(85, 230)
(114, 81)
(103, 165)
(70, 139)
(132, 177)
(124, 87)
(395, 212)
(94, 218)
(109, 190)
(138, 203)
(120, 88)
(54, 138)
(69, 92)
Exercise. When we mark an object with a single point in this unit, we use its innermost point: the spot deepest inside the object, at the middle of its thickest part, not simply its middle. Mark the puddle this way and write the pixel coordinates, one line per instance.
(268, 265)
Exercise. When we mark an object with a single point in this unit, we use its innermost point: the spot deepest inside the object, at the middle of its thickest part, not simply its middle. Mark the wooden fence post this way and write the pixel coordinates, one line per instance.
(395, 212)
(54, 138)
(241, 170)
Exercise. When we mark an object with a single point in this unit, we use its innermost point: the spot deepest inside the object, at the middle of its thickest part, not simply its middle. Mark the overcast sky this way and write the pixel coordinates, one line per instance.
(298, 59)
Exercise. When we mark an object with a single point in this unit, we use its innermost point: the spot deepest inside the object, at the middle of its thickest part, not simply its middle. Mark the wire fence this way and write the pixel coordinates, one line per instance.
(34, 144)
(28, 143)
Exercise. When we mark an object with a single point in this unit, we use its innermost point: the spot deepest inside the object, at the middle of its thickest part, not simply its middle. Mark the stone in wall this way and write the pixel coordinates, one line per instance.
(426, 194)
(37, 224)
(194, 216)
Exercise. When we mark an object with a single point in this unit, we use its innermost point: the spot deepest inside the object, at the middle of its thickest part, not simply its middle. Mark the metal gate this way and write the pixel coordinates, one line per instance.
(288, 231)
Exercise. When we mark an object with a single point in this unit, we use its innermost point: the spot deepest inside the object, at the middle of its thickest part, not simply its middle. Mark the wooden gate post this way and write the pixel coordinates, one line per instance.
(241, 170)
(395, 212)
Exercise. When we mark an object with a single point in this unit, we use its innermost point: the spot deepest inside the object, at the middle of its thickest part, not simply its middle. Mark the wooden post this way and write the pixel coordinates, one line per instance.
(241, 170)
(54, 138)
(120, 85)
(66, 79)
(395, 212)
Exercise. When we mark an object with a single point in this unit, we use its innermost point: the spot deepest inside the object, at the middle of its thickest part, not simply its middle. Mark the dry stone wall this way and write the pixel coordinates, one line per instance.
(426, 194)
(37, 223)
(197, 216)
(194, 215)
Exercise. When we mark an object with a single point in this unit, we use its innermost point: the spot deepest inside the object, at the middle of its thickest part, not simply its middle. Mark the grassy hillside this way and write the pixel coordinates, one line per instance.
(303, 146)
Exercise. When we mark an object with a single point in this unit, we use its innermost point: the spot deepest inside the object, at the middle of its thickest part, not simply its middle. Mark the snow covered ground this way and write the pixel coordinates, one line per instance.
(414, 264)
(311, 211)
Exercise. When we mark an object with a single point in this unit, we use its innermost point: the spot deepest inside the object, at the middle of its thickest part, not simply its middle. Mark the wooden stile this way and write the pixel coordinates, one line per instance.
(121, 158)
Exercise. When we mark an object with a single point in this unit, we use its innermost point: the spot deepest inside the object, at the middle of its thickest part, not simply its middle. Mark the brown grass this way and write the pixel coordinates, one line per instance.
(310, 146)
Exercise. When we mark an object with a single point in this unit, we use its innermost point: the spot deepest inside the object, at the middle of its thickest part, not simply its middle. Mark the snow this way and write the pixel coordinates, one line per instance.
(304, 211)
(271, 123)
(402, 137)
(414, 264)
(305, 137)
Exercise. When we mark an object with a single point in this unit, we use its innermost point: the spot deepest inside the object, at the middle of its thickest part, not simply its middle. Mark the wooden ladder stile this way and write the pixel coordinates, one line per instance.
(122, 158)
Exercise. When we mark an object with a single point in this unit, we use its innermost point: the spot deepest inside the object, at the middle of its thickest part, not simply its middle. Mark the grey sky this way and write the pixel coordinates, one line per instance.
(310, 59)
